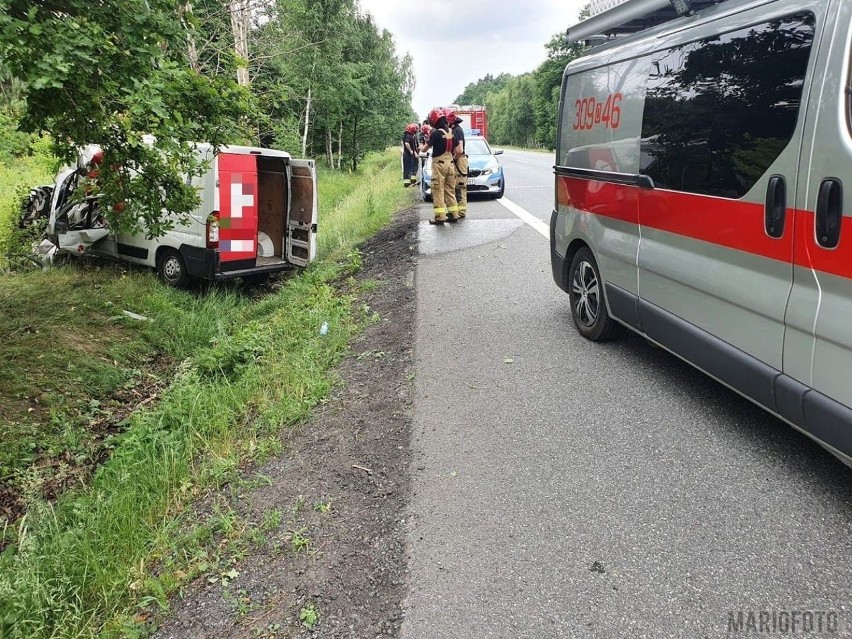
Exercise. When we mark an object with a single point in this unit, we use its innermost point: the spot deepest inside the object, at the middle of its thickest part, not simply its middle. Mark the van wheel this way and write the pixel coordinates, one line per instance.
(586, 293)
(172, 269)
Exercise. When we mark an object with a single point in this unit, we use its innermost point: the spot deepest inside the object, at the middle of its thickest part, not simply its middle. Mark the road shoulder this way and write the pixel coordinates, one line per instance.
(332, 506)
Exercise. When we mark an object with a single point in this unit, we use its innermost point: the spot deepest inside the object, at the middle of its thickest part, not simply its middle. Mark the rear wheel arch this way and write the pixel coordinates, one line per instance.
(570, 252)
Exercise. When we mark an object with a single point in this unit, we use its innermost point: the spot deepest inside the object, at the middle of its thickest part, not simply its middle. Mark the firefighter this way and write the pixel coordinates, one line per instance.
(443, 172)
(460, 162)
(425, 132)
(409, 156)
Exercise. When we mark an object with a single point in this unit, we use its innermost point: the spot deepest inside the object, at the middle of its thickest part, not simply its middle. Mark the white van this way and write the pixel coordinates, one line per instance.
(700, 196)
(257, 215)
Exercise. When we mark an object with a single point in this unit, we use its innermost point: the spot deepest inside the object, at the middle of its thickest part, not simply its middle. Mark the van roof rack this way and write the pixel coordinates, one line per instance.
(613, 18)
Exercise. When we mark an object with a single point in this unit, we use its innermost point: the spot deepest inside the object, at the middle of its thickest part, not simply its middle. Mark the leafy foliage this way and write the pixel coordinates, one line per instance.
(329, 55)
(144, 79)
(111, 72)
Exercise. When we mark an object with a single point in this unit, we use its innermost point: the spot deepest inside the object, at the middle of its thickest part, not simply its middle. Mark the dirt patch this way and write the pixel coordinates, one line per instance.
(332, 558)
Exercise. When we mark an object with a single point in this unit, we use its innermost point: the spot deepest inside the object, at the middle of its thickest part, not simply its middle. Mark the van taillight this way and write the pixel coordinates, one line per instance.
(213, 230)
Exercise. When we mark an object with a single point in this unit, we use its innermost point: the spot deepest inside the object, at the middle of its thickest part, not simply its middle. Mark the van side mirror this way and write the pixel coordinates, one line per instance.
(498, 152)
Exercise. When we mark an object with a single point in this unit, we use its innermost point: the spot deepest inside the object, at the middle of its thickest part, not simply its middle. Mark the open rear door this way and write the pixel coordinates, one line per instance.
(238, 210)
(302, 222)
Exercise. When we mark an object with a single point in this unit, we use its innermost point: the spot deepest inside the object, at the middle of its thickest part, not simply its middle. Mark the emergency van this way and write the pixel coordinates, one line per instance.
(702, 155)
(257, 215)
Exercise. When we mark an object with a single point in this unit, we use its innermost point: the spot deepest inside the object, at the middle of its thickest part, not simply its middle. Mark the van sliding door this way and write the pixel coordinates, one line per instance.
(721, 138)
(818, 343)
(302, 218)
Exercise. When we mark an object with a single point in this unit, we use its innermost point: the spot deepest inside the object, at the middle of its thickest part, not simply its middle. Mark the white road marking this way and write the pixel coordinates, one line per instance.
(532, 186)
(526, 217)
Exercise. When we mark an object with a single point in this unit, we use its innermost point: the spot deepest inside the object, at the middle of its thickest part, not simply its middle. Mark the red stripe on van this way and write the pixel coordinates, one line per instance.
(809, 254)
(601, 198)
(730, 223)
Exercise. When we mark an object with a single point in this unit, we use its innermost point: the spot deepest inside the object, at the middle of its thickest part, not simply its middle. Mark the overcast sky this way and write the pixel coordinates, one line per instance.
(456, 43)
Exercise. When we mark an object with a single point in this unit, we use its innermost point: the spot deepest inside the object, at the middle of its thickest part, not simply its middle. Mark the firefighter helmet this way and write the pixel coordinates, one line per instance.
(450, 114)
(411, 128)
(435, 115)
(426, 129)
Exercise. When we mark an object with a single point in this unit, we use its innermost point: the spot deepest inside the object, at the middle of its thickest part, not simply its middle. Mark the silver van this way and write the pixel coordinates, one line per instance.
(700, 195)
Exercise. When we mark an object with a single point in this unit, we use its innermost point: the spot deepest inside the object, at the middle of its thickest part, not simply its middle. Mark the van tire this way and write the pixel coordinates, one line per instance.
(171, 268)
(588, 303)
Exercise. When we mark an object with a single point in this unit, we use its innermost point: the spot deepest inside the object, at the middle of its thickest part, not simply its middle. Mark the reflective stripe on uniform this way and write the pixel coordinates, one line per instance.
(440, 209)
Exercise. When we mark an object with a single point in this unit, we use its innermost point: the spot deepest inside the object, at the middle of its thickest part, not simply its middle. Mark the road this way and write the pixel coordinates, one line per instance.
(570, 489)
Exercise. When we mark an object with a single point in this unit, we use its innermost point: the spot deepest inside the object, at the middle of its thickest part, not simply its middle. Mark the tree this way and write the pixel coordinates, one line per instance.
(548, 84)
(111, 72)
(477, 92)
(327, 77)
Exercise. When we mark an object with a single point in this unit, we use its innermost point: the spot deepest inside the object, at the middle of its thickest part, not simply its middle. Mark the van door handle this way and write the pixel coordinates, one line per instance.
(829, 213)
(776, 206)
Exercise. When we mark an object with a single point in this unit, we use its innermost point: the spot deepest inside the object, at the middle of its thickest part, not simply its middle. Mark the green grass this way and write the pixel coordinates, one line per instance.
(234, 370)
(353, 206)
(16, 178)
(534, 149)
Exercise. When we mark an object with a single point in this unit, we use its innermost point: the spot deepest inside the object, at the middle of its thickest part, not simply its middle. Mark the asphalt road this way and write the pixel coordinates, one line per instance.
(570, 489)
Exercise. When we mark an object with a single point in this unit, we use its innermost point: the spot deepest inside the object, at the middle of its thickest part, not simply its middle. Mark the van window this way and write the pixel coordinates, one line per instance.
(718, 112)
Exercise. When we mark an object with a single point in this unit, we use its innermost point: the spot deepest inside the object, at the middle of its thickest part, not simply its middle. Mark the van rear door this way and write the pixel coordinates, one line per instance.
(302, 222)
(238, 210)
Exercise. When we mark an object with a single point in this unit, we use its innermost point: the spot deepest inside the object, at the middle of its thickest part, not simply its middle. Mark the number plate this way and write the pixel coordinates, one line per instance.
(470, 181)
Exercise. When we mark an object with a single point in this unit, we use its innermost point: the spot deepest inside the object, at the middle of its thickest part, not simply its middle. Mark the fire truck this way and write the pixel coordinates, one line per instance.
(475, 118)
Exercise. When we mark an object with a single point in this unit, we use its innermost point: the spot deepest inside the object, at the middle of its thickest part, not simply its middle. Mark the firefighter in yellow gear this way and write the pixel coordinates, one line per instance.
(442, 143)
(460, 161)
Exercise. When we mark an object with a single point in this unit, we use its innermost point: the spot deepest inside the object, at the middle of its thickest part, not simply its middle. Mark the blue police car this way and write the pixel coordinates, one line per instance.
(485, 175)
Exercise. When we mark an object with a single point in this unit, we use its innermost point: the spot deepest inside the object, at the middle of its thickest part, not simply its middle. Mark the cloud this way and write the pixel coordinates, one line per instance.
(456, 43)
(512, 21)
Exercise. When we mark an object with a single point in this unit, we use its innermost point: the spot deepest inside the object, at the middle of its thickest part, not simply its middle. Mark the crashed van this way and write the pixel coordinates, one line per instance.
(257, 215)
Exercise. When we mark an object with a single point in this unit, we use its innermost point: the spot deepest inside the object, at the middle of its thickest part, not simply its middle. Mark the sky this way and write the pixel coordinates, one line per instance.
(456, 43)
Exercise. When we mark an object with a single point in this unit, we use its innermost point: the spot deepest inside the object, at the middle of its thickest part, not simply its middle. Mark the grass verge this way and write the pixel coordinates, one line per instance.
(239, 369)
(16, 178)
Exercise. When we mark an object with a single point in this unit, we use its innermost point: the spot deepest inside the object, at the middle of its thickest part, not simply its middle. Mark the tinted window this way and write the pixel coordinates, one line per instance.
(718, 112)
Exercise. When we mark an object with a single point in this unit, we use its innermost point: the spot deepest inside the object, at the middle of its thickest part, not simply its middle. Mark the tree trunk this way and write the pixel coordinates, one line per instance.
(240, 22)
(307, 125)
(329, 151)
(340, 146)
(355, 144)
(191, 50)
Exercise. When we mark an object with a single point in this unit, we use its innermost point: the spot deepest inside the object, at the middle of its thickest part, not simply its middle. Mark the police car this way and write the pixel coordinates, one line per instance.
(485, 175)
